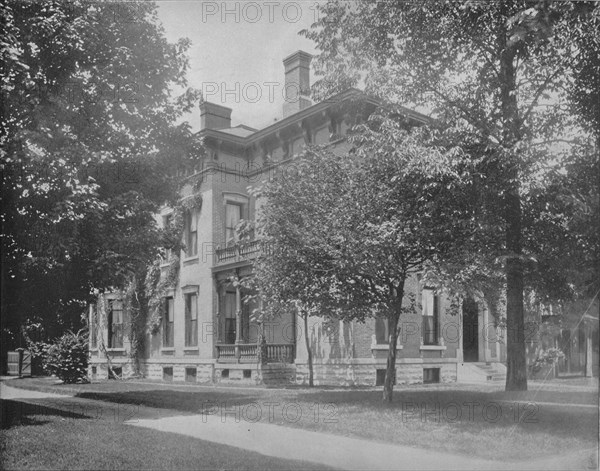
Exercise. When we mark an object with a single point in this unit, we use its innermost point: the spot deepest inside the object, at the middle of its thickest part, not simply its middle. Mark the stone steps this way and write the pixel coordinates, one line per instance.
(481, 372)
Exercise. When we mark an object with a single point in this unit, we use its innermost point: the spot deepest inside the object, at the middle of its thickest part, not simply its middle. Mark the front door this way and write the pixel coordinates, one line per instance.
(470, 332)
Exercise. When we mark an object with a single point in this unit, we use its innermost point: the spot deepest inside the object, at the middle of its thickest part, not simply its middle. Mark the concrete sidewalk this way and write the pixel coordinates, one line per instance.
(316, 447)
(338, 451)
(8, 392)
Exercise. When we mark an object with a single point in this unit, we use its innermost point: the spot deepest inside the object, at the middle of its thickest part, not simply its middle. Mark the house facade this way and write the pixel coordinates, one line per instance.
(206, 332)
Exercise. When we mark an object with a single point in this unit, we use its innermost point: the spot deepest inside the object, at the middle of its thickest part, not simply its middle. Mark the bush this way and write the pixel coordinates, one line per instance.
(67, 357)
(546, 357)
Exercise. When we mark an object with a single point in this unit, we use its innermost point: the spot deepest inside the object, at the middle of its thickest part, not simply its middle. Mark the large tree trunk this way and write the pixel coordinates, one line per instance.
(516, 357)
(308, 352)
(390, 372)
(516, 363)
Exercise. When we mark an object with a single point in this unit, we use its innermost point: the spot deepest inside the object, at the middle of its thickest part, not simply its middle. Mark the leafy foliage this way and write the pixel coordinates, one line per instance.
(352, 226)
(66, 357)
(546, 357)
(90, 150)
(513, 83)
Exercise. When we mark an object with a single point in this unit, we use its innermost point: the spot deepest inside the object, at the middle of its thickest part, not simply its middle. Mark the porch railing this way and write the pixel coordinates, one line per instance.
(238, 252)
(248, 353)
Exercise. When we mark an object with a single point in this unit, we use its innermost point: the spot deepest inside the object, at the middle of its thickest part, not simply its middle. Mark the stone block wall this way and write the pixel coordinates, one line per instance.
(155, 371)
(365, 373)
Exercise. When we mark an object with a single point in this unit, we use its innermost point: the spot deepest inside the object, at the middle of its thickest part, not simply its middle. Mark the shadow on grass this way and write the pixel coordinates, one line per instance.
(464, 410)
(17, 413)
(194, 401)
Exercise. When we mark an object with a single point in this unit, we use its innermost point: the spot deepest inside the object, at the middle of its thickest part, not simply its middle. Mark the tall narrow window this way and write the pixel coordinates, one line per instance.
(230, 320)
(430, 304)
(115, 324)
(168, 323)
(233, 215)
(191, 233)
(191, 320)
(382, 335)
(93, 326)
(166, 224)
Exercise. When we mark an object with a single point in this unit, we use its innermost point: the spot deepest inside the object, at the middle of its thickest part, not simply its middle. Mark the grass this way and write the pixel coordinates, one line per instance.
(38, 437)
(477, 421)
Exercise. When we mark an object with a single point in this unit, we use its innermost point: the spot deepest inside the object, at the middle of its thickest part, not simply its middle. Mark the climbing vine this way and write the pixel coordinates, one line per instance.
(143, 300)
(156, 287)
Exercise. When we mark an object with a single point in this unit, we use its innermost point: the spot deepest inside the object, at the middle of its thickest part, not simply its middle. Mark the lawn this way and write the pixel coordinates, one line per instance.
(477, 421)
(38, 437)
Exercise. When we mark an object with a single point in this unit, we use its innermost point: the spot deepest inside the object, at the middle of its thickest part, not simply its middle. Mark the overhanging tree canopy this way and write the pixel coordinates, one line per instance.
(90, 149)
(497, 73)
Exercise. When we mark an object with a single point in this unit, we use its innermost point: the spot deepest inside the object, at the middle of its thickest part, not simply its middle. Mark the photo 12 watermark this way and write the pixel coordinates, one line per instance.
(279, 412)
(472, 411)
(255, 12)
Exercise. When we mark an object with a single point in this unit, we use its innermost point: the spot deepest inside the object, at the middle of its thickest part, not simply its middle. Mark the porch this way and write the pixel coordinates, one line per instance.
(248, 353)
(240, 252)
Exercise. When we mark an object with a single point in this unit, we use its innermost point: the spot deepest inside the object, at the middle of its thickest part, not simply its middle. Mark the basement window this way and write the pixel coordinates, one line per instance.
(431, 375)
(247, 374)
(380, 378)
(115, 373)
(190, 375)
(225, 373)
(168, 373)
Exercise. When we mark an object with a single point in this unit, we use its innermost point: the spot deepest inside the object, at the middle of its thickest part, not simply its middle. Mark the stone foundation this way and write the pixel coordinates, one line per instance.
(357, 372)
(202, 373)
(363, 372)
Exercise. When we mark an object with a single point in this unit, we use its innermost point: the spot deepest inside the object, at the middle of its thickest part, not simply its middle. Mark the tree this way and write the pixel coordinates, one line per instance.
(494, 72)
(90, 149)
(350, 228)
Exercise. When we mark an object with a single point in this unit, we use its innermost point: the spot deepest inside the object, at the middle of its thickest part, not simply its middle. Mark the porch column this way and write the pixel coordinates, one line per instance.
(486, 334)
(238, 315)
(588, 352)
(238, 323)
(498, 331)
(459, 348)
(481, 323)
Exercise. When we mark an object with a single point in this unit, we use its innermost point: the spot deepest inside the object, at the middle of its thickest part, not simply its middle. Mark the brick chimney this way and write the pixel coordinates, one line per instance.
(297, 82)
(213, 116)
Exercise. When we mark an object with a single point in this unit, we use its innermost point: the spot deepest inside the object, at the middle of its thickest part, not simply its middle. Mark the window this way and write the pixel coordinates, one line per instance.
(431, 375)
(191, 233)
(190, 375)
(430, 304)
(93, 326)
(233, 215)
(230, 321)
(168, 322)
(380, 377)
(115, 324)
(115, 373)
(191, 320)
(382, 336)
(168, 373)
(166, 224)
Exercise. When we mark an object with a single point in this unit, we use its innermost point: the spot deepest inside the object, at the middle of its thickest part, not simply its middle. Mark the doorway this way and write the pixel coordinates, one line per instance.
(470, 337)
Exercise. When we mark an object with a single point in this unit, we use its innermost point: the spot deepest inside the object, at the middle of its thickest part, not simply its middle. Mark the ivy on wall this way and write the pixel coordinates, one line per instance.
(143, 302)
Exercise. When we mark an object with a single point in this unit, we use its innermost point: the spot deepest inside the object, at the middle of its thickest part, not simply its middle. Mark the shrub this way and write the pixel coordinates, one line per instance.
(546, 357)
(67, 357)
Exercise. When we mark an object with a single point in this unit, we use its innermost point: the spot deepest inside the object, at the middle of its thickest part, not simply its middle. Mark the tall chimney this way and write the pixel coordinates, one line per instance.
(213, 116)
(297, 82)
